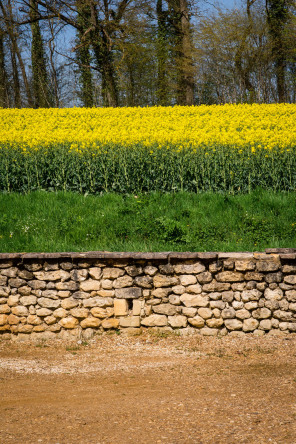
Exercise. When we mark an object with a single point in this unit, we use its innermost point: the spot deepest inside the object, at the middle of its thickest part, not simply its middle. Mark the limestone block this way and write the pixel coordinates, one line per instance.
(227, 296)
(244, 265)
(272, 295)
(291, 295)
(187, 279)
(284, 305)
(243, 314)
(39, 328)
(102, 313)
(228, 313)
(128, 293)
(233, 324)
(265, 324)
(35, 320)
(283, 326)
(95, 272)
(155, 320)
(112, 273)
(268, 265)
(25, 328)
(215, 286)
(216, 313)
(13, 320)
(238, 286)
(4, 291)
(215, 295)
(79, 313)
(251, 295)
(70, 285)
(165, 309)
(150, 270)
(91, 322)
(50, 320)
(110, 323)
(195, 289)
(123, 281)
(28, 300)
(107, 284)
(60, 313)
(177, 321)
(291, 279)
(206, 331)
(133, 271)
(161, 292)
(120, 307)
(43, 312)
(4, 309)
(205, 277)
(197, 321)
(144, 281)
(251, 305)
(205, 313)
(69, 322)
(58, 275)
(3, 319)
(137, 307)
(161, 280)
(174, 299)
(166, 269)
(190, 312)
(64, 294)
(132, 321)
(292, 327)
(9, 272)
(237, 305)
(292, 306)
(229, 276)
(283, 315)
(98, 302)
(289, 269)
(192, 300)
(215, 322)
(189, 268)
(20, 310)
(178, 289)
(12, 282)
(13, 300)
(254, 276)
(104, 293)
(90, 285)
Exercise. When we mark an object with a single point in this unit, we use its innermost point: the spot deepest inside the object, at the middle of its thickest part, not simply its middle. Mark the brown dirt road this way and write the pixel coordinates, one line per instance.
(149, 389)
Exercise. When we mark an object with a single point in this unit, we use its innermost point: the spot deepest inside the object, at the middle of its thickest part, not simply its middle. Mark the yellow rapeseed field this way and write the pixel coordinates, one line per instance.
(263, 126)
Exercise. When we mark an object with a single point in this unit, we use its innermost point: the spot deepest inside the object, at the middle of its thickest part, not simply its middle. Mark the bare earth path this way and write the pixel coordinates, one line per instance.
(149, 389)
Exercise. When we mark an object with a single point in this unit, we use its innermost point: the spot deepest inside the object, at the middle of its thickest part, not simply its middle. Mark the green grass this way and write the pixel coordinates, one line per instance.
(43, 221)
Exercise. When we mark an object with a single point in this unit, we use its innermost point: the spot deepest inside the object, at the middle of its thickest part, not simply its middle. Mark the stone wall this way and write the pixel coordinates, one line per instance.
(78, 294)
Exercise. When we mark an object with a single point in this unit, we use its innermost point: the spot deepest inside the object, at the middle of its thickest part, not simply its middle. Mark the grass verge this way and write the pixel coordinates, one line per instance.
(42, 221)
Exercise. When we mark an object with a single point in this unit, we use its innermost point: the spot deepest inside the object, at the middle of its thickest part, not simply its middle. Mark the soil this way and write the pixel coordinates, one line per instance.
(149, 389)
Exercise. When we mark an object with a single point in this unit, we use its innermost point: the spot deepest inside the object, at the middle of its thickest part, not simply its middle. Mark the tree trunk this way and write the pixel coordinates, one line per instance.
(162, 55)
(41, 95)
(277, 19)
(3, 75)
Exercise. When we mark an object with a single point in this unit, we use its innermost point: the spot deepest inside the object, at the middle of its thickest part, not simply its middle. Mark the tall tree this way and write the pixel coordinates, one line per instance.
(41, 89)
(3, 74)
(277, 19)
(180, 19)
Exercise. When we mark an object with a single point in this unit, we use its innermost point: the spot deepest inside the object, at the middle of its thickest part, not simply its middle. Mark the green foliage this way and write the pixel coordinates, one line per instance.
(64, 221)
(138, 169)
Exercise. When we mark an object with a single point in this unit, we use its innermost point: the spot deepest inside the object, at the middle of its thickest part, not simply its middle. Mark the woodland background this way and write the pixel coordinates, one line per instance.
(56, 53)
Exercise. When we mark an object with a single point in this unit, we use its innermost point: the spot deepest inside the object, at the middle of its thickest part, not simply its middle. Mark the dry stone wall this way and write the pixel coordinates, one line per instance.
(78, 294)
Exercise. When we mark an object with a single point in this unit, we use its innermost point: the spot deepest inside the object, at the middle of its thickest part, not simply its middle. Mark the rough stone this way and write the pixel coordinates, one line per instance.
(195, 289)
(265, 324)
(165, 309)
(215, 322)
(215, 286)
(43, 312)
(70, 285)
(58, 275)
(144, 281)
(227, 296)
(192, 300)
(155, 320)
(273, 295)
(132, 321)
(254, 276)
(20, 310)
(204, 278)
(206, 331)
(177, 321)
(187, 279)
(195, 268)
(128, 293)
(110, 323)
(261, 313)
(243, 314)
(90, 285)
(283, 315)
(197, 321)
(268, 265)
(79, 312)
(112, 273)
(245, 265)
(161, 280)
(190, 312)
(250, 324)
(291, 279)
(98, 302)
(174, 299)
(150, 270)
(69, 322)
(291, 295)
(3, 319)
(28, 300)
(120, 307)
(233, 324)
(90, 323)
(229, 276)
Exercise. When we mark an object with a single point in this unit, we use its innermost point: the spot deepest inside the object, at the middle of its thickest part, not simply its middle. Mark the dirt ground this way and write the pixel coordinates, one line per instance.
(149, 389)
